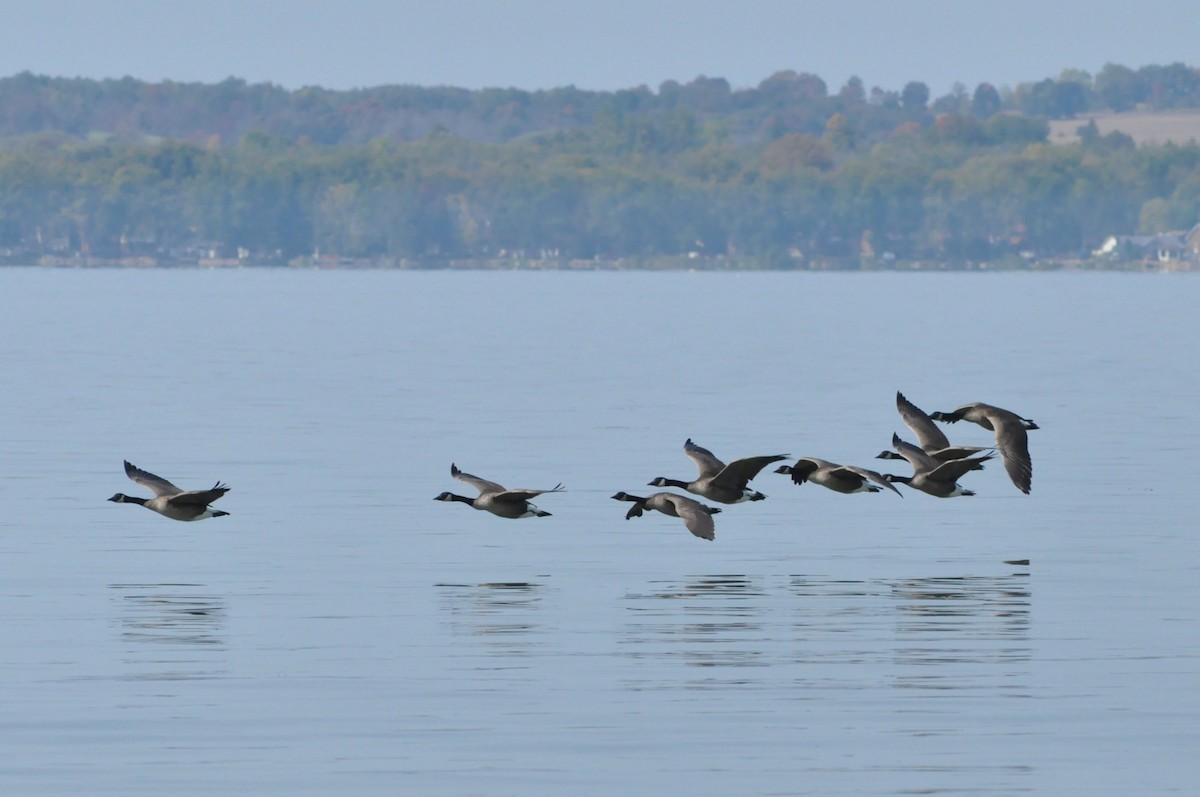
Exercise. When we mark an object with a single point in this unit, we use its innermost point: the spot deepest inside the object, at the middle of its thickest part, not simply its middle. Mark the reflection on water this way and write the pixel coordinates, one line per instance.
(500, 615)
(943, 623)
(171, 631)
(930, 632)
(705, 621)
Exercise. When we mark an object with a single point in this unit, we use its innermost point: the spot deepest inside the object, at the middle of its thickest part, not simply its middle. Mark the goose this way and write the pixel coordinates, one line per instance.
(839, 478)
(939, 479)
(930, 438)
(1011, 437)
(496, 499)
(695, 515)
(726, 484)
(169, 500)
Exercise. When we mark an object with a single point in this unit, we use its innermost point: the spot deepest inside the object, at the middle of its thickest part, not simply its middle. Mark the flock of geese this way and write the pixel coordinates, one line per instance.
(937, 467)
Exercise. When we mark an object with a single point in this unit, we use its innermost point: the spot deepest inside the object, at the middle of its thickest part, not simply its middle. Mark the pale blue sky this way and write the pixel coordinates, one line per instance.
(593, 44)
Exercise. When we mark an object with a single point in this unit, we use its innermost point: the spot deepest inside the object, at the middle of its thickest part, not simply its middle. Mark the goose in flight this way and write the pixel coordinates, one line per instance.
(695, 515)
(169, 500)
(496, 499)
(1011, 438)
(839, 478)
(726, 484)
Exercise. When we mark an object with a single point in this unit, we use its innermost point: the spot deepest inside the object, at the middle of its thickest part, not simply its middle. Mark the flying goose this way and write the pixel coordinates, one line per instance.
(1011, 437)
(839, 478)
(930, 438)
(717, 481)
(939, 479)
(695, 515)
(497, 500)
(169, 500)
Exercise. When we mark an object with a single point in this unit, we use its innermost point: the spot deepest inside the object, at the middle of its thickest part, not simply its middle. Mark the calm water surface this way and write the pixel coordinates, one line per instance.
(342, 633)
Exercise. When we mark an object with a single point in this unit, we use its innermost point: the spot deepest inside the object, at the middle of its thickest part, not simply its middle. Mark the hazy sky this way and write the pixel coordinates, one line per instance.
(592, 44)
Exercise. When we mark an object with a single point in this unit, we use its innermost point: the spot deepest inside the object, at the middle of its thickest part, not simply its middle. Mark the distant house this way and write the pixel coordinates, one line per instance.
(1164, 247)
(1192, 240)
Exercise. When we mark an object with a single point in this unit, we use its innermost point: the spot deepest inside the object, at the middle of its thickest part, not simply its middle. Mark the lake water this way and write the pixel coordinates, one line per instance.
(342, 633)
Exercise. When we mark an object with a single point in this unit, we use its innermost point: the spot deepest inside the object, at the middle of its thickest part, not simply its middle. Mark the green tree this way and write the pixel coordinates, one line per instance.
(914, 97)
(1119, 87)
(985, 102)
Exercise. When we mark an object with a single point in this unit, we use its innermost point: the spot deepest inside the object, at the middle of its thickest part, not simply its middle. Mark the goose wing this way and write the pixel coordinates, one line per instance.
(873, 476)
(482, 485)
(915, 456)
(695, 515)
(708, 464)
(518, 496)
(740, 471)
(929, 436)
(199, 497)
(955, 469)
(954, 452)
(1013, 443)
(157, 484)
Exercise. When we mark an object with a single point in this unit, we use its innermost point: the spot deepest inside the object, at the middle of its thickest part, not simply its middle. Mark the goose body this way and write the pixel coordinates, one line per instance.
(839, 478)
(170, 501)
(939, 479)
(494, 498)
(695, 516)
(1011, 438)
(726, 484)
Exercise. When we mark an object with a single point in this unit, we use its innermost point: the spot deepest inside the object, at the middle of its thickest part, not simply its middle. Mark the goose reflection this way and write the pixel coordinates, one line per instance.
(712, 622)
(171, 631)
(503, 615)
(945, 632)
(946, 627)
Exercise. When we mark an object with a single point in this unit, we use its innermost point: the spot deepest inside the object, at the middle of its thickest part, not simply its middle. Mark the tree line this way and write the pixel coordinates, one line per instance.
(784, 174)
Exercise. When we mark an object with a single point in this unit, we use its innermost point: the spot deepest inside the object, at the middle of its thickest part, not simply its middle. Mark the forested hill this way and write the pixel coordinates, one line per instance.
(783, 102)
(788, 173)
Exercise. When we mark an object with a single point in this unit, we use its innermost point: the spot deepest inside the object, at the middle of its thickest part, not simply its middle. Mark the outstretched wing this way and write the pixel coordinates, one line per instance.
(740, 471)
(955, 469)
(199, 497)
(482, 485)
(915, 456)
(695, 515)
(1013, 442)
(929, 436)
(704, 459)
(518, 496)
(157, 484)
(873, 476)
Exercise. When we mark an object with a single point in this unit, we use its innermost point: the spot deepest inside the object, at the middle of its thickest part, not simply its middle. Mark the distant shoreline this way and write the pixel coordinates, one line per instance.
(659, 264)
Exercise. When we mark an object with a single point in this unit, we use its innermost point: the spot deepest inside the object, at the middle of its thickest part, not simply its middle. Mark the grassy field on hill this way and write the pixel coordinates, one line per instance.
(1146, 127)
